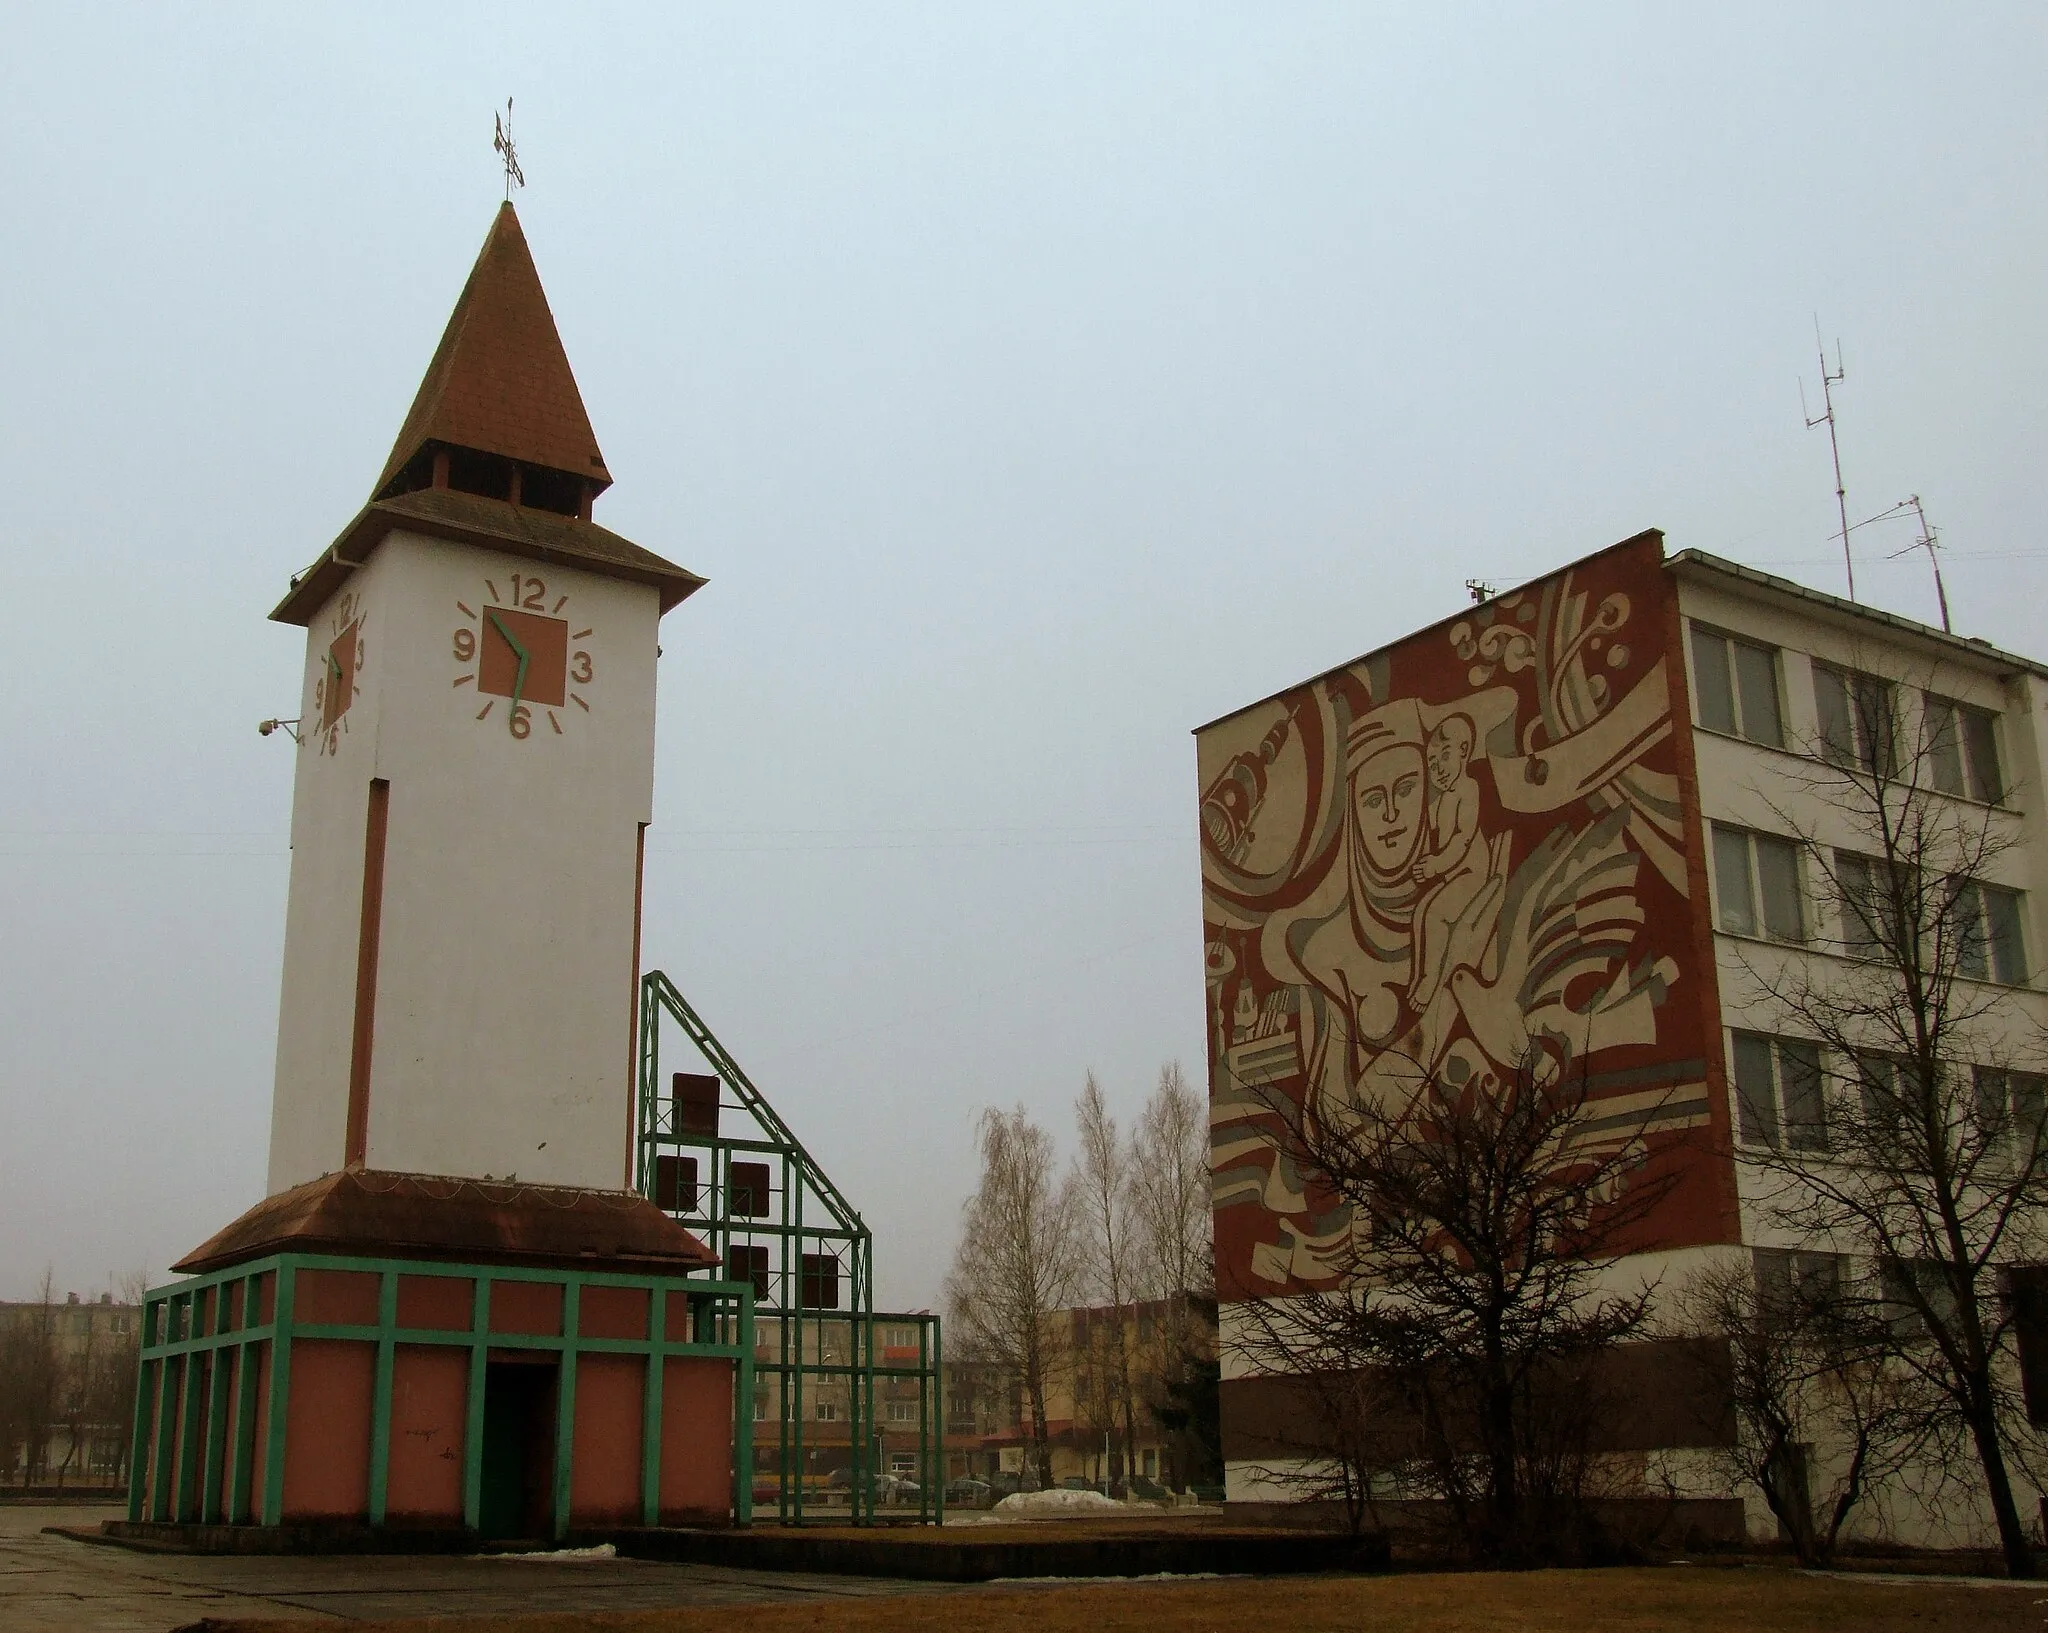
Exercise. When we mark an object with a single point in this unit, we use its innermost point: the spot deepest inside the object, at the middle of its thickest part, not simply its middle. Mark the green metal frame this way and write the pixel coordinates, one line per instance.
(808, 1216)
(177, 1356)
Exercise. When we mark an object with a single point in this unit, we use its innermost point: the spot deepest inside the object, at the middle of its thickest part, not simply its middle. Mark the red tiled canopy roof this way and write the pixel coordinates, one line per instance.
(500, 381)
(377, 1213)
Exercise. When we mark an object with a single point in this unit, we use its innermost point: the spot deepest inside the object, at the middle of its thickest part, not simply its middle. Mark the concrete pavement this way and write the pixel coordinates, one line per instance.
(48, 1583)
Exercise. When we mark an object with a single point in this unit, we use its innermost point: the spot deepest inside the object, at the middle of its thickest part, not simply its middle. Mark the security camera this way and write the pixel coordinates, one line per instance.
(265, 727)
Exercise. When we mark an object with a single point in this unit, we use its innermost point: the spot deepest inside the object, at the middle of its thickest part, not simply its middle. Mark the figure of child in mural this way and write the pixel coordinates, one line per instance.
(1454, 868)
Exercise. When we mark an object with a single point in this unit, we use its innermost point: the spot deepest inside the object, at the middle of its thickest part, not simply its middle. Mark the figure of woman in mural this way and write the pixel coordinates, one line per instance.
(1453, 870)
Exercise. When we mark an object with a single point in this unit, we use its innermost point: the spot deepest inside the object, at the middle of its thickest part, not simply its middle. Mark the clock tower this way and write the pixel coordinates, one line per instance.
(451, 1314)
(474, 779)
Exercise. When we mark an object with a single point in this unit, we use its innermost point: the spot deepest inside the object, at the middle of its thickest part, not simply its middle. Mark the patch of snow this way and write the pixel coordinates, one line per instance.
(1057, 1502)
(561, 1556)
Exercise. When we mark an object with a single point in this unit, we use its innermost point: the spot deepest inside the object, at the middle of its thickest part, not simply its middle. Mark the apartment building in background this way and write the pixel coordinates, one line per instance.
(67, 1390)
(988, 1414)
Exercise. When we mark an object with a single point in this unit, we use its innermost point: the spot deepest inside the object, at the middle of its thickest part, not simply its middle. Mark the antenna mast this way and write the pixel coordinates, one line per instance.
(1928, 540)
(1828, 382)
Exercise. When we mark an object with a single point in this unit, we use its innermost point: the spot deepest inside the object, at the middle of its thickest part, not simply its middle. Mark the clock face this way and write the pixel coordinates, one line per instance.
(518, 648)
(336, 686)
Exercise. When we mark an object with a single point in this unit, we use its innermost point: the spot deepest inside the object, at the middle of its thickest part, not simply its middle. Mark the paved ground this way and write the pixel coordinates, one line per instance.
(49, 1583)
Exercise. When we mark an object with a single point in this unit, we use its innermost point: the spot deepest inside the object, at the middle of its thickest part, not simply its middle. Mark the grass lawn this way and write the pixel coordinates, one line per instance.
(1677, 1598)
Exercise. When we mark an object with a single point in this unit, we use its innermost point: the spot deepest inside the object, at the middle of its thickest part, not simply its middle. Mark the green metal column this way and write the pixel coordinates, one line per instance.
(565, 1407)
(237, 1507)
(650, 1407)
(380, 1397)
(743, 1413)
(217, 1366)
(473, 1408)
(280, 1394)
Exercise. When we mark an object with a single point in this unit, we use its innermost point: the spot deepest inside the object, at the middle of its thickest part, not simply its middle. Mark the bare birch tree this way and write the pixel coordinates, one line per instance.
(1175, 1264)
(1107, 1216)
(1017, 1263)
(1927, 1153)
(1170, 1190)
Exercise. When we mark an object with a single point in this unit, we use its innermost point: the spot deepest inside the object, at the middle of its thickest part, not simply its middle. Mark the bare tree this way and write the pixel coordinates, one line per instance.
(1103, 1191)
(1928, 1152)
(1016, 1264)
(29, 1363)
(1469, 1289)
(1170, 1190)
(1823, 1414)
(1342, 1437)
(1175, 1265)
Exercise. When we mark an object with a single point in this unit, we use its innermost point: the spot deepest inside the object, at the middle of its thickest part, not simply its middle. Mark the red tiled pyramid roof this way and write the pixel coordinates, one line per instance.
(500, 381)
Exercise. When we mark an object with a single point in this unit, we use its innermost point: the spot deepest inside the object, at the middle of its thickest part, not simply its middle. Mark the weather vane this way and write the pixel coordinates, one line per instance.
(501, 143)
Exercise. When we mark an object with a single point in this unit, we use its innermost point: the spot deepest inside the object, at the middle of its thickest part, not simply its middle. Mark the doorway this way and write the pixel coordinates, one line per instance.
(517, 1501)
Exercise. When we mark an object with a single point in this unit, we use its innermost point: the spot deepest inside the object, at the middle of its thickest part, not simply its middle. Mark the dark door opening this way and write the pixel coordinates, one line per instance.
(517, 1500)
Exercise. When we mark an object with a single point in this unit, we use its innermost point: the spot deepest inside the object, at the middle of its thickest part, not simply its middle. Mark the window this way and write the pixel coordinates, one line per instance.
(1756, 885)
(1899, 1280)
(1857, 718)
(1796, 1282)
(903, 1411)
(1151, 1461)
(2027, 1287)
(1737, 683)
(2011, 1106)
(828, 1411)
(1962, 749)
(1885, 1092)
(1778, 1086)
(1855, 883)
(1989, 946)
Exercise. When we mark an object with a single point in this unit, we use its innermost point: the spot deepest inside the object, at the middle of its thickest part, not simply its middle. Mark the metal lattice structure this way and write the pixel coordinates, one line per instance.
(846, 1400)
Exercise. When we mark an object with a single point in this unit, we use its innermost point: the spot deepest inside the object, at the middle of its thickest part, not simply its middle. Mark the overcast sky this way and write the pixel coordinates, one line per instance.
(1031, 385)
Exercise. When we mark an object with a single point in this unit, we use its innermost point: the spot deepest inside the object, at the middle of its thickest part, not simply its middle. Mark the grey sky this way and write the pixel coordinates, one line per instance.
(1030, 385)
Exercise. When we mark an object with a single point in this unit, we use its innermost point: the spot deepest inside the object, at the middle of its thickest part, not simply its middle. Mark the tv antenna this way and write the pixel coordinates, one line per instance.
(501, 144)
(1828, 382)
(1930, 541)
(1479, 590)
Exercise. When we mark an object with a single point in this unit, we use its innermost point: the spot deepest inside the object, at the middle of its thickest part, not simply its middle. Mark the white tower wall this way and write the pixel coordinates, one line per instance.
(502, 1022)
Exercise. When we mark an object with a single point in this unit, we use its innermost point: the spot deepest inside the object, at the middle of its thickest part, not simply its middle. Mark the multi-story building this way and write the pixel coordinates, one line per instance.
(988, 1410)
(67, 1389)
(1581, 818)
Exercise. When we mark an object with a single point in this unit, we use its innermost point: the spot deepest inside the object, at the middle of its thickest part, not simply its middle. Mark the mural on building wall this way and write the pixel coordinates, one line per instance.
(1456, 855)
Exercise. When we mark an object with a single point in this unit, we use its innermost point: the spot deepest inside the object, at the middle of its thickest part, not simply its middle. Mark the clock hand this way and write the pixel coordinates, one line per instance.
(519, 680)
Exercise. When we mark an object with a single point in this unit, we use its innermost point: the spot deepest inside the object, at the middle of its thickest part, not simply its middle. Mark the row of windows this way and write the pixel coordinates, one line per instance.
(1735, 684)
(1759, 890)
(827, 1411)
(1781, 1094)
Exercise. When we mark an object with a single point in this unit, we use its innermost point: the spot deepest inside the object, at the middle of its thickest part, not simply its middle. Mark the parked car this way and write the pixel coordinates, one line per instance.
(1148, 1490)
(1008, 1482)
(969, 1492)
(1074, 1482)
